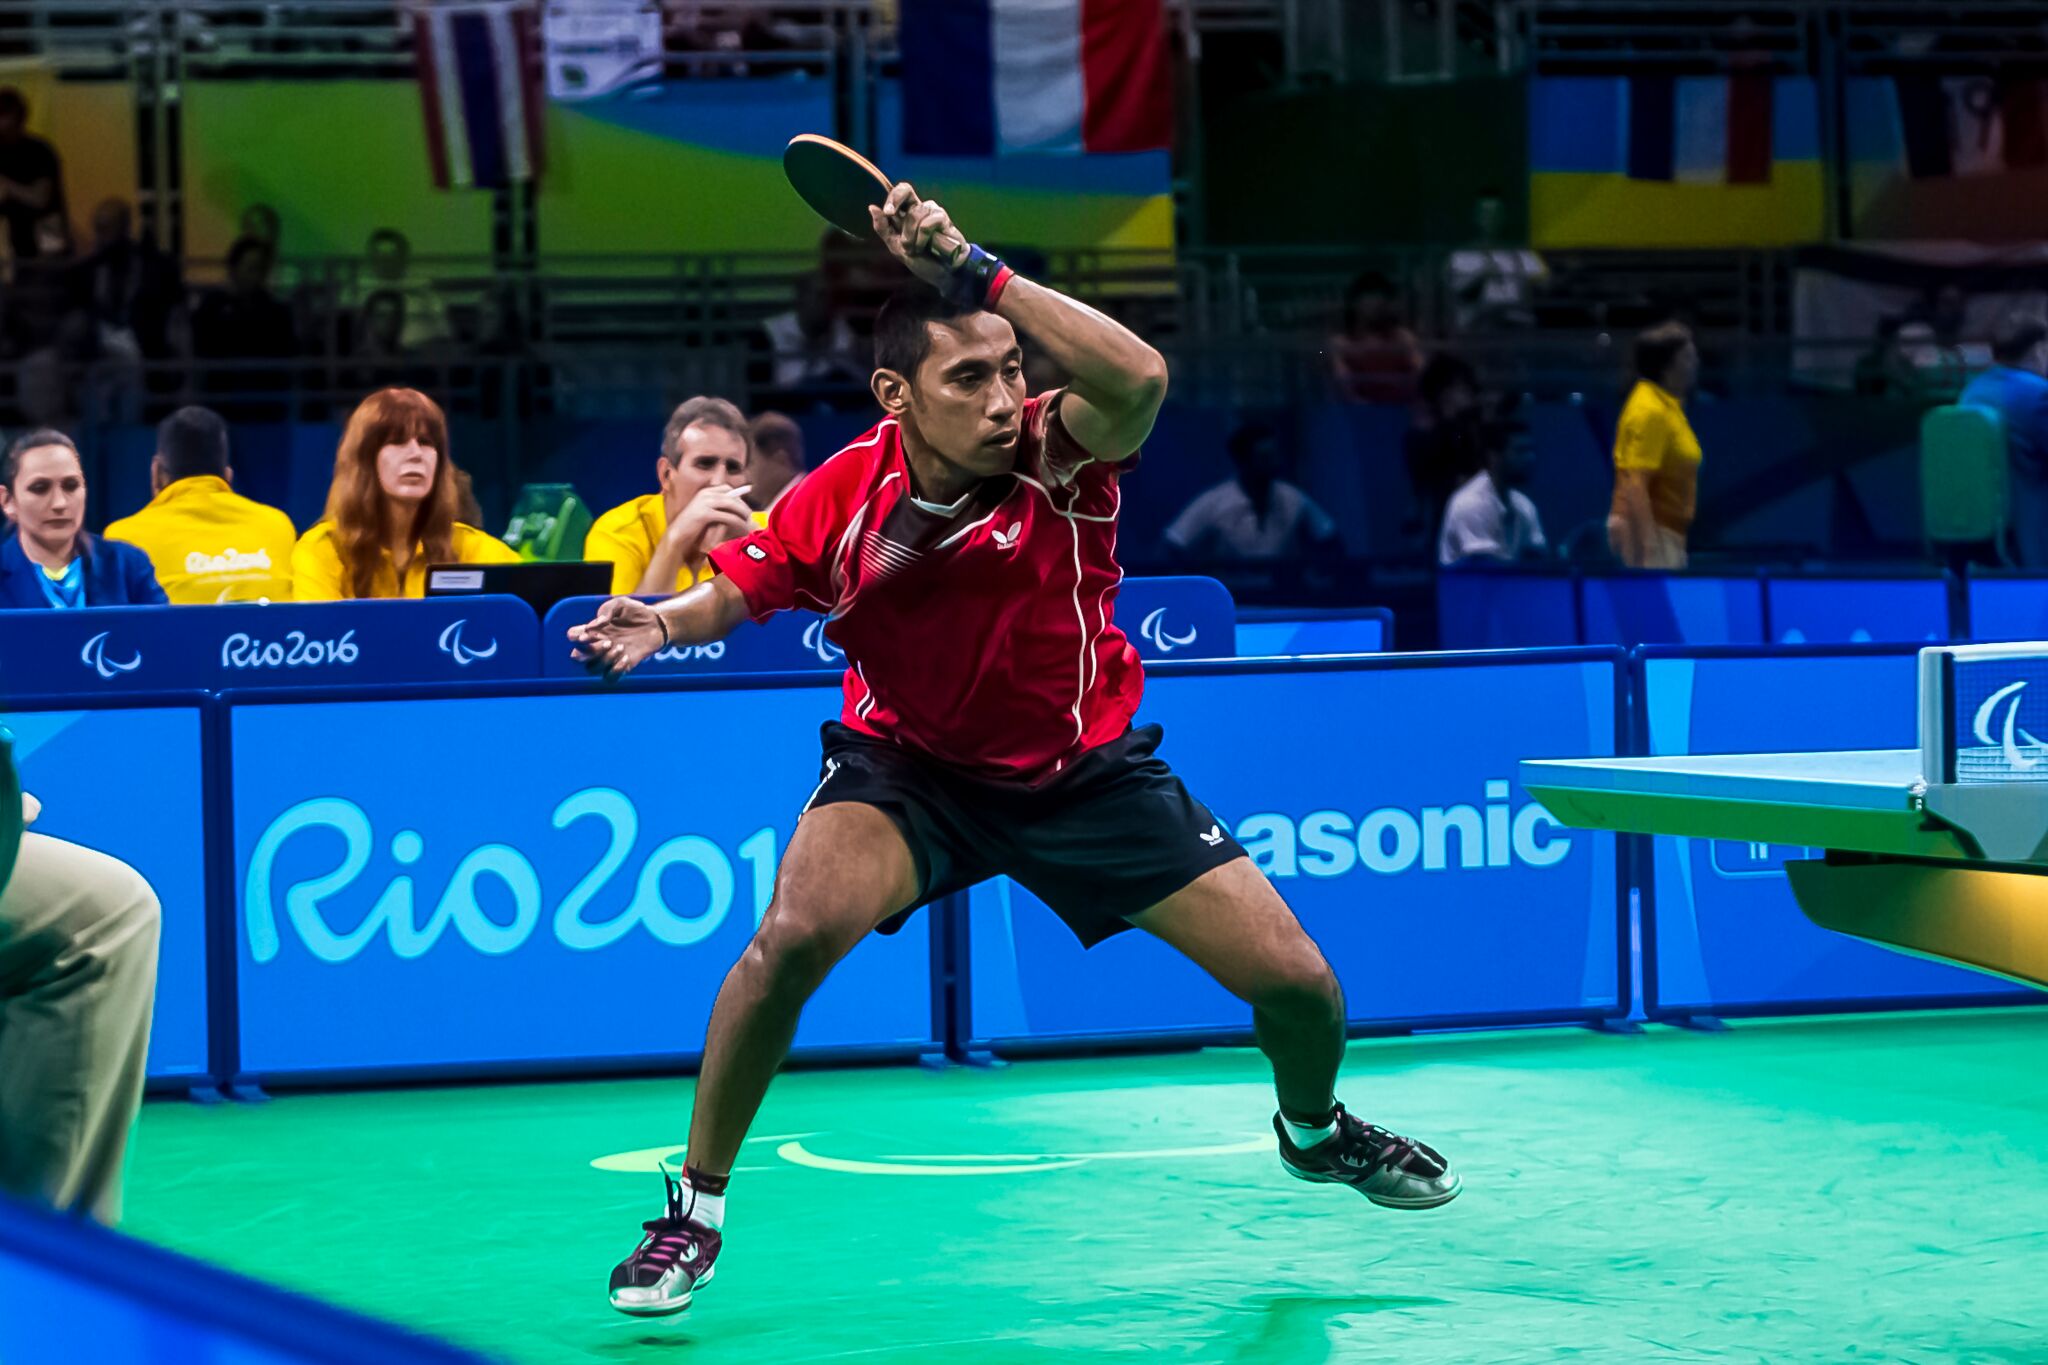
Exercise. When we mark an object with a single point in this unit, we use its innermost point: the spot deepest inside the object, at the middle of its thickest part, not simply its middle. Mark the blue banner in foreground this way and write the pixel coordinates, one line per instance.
(527, 881)
(1722, 931)
(282, 644)
(128, 781)
(1380, 800)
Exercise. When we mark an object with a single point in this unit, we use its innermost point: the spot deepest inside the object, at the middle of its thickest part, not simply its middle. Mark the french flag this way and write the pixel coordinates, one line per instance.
(1008, 77)
(480, 86)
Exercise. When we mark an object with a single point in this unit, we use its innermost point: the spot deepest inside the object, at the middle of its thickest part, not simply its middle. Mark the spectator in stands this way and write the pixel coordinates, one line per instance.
(778, 461)
(51, 560)
(261, 222)
(128, 287)
(1257, 517)
(1375, 359)
(812, 349)
(2016, 388)
(1930, 342)
(1493, 284)
(1491, 518)
(1656, 455)
(207, 542)
(657, 543)
(1442, 447)
(245, 320)
(389, 258)
(75, 378)
(31, 186)
(392, 509)
(78, 962)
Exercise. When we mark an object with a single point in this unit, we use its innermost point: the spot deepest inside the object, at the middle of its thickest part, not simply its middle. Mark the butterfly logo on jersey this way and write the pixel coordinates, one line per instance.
(1213, 837)
(1007, 540)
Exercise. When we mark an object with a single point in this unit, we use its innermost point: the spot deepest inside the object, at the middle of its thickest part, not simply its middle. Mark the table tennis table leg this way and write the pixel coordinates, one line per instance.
(1993, 919)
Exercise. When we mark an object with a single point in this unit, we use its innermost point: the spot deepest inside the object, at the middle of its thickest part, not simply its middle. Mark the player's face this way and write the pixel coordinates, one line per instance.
(968, 397)
(47, 499)
(704, 456)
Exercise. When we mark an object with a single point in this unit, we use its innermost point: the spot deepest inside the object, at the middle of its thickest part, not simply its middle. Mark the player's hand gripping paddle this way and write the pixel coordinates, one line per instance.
(841, 186)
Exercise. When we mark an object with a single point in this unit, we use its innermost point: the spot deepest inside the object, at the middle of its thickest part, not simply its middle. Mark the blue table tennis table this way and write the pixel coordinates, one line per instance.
(1940, 851)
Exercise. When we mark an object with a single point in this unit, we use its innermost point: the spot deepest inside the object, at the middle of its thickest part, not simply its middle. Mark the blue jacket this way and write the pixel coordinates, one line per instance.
(2021, 398)
(116, 575)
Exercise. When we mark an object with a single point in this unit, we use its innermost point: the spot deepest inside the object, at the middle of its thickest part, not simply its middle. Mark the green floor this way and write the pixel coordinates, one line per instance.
(1839, 1190)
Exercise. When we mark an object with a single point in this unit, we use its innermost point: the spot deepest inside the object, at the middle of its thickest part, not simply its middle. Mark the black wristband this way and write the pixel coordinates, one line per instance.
(968, 284)
(662, 621)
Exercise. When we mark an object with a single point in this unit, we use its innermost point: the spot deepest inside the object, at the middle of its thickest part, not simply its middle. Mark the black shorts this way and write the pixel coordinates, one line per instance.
(1112, 834)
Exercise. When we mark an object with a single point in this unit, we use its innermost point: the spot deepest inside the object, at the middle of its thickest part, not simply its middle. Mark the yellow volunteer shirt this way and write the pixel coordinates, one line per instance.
(1655, 437)
(626, 536)
(208, 543)
(318, 576)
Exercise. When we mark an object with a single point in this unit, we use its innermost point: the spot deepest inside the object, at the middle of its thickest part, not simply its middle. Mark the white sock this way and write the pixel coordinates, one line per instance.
(708, 1209)
(1306, 1136)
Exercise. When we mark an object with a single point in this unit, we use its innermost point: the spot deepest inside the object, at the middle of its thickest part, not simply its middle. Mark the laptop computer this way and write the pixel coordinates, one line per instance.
(539, 583)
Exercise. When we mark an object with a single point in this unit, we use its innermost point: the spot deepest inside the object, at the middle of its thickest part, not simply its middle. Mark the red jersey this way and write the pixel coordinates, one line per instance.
(981, 633)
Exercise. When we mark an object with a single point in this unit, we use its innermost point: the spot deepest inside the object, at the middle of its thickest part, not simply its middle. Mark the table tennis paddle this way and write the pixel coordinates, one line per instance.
(841, 186)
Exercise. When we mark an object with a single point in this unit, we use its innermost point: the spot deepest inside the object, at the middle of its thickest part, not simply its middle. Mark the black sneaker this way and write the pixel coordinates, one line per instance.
(1392, 1171)
(671, 1263)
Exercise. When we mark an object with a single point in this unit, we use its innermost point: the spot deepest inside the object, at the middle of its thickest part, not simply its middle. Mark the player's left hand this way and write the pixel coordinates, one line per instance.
(920, 234)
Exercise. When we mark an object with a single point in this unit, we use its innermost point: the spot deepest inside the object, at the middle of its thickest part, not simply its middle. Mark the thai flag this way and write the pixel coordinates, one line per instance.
(480, 85)
(1001, 77)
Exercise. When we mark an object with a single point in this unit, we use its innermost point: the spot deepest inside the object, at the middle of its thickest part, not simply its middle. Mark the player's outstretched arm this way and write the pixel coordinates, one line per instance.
(1118, 381)
(626, 632)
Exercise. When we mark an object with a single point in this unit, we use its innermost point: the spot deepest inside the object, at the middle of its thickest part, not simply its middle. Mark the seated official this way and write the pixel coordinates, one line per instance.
(391, 510)
(657, 543)
(1257, 517)
(1490, 517)
(50, 559)
(78, 959)
(208, 542)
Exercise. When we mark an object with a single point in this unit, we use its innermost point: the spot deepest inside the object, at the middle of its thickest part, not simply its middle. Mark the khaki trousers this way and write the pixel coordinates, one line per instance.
(1667, 547)
(78, 941)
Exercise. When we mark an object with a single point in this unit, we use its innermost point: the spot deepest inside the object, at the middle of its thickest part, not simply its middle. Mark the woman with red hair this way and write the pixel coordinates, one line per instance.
(391, 509)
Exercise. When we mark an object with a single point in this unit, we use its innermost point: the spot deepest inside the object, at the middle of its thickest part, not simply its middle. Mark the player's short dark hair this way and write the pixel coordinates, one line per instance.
(1657, 347)
(2017, 336)
(903, 336)
(11, 102)
(712, 412)
(192, 441)
(10, 459)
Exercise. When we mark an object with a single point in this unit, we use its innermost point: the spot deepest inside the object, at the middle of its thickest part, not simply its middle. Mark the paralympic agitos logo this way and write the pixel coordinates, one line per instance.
(314, 893)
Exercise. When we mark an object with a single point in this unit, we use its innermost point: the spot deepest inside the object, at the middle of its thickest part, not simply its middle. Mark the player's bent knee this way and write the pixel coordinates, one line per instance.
(1306, 994)
(798, 950)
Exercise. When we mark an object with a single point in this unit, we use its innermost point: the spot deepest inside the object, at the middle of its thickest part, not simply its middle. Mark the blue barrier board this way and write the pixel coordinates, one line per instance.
(1486, 609)
(280, 644)
(2008, 608)
(62, 1302)
(507, 881)
(1271, 634)
(1848, 611)
(1187, 617)
(71, 760)
(1375, 797)
(1722, 933)
(1654, 608)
